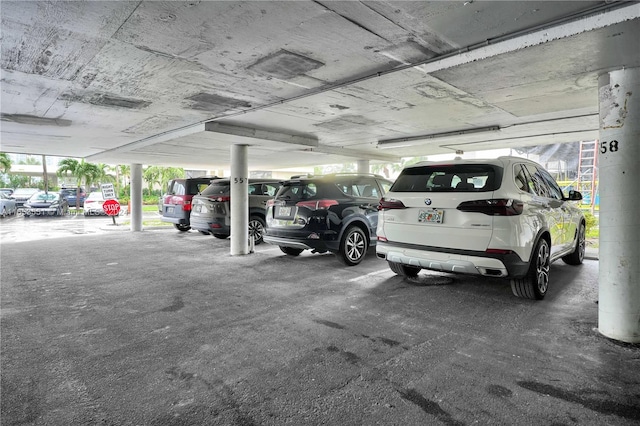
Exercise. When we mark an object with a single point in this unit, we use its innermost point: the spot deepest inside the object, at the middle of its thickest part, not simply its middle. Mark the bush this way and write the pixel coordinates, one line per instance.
(150, 199)
(591, 223)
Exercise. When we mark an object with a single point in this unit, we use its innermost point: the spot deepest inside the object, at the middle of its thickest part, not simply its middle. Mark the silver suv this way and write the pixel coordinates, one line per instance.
(211, 209)
(504, 217)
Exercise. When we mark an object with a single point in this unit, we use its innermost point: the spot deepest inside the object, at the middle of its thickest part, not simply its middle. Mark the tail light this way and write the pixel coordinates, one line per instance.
(271, 203)
(221, 199)
(186, 205)
(493, 207)
(387, 204)
(317, 204)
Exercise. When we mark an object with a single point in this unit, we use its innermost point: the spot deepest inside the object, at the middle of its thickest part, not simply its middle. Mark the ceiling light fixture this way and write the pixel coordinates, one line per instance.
(409, 141)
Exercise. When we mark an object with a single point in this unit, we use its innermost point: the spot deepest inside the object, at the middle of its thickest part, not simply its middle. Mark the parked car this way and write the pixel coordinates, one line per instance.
(176, 202)
(505, 217)
(46, 204)
(21, 195)
(211, 209)
(93, 204)
(74, 194)
(6, 191)
(335, 213)
(7, 205)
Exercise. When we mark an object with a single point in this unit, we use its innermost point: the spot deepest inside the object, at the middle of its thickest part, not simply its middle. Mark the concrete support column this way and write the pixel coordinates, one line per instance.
(363, 166)
(136, 197)
(619, 172)
(239, 200)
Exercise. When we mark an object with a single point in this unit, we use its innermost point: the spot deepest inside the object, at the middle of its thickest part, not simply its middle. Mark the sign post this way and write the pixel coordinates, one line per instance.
(111, 208)
(108, 191)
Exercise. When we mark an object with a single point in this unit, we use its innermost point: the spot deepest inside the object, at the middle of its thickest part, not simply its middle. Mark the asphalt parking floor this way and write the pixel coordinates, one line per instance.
(165, 328)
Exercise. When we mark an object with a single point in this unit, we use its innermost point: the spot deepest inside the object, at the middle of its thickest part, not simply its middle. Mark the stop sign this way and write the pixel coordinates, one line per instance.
(111, 207)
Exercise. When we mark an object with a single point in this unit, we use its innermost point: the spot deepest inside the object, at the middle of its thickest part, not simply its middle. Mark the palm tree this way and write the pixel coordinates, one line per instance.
(81, 170)
(5, 162)
(151, 175)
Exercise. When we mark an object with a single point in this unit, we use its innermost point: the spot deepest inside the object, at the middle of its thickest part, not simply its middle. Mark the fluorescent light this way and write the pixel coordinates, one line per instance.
(404, 142)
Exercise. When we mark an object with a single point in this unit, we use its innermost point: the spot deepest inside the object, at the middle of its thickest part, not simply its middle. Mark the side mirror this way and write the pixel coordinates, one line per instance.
(574, 196)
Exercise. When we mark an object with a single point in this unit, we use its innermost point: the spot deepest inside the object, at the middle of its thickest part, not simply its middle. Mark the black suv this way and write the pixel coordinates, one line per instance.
(176, 202)
(336, 213)
(211, 209)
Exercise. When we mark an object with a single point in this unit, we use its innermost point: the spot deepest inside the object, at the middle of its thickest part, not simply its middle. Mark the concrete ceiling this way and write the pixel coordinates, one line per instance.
(304, 82)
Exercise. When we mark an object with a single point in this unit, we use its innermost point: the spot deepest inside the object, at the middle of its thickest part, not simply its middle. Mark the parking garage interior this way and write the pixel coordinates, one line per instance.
(265, 85)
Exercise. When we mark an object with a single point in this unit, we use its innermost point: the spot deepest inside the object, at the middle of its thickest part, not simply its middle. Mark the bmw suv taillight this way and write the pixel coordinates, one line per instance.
(493, 207)
(387, 204)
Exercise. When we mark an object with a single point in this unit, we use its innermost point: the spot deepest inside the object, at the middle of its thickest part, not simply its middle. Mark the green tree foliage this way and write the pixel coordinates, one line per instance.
(5, 162)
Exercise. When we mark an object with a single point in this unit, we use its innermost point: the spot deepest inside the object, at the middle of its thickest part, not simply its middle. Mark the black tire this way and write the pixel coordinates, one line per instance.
(256, 229)
(203, 232)
(221, 236)
(577, 256)
(534, 285)
(291, 251)
(404, 270)
(353, 246)
(181, 227)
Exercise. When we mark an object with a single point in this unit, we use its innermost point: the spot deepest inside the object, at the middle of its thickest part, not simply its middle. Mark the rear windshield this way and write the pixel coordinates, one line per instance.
(449, 178)
(297, 191)
(218, 188)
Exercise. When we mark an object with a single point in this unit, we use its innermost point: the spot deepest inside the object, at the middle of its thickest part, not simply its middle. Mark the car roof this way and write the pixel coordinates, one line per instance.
(499, 161)
(332, 176)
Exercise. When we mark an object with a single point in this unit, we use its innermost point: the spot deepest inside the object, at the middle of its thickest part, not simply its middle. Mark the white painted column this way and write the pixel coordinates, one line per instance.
(363, 166)
(239, 200)
(136, 197)
(619, 171)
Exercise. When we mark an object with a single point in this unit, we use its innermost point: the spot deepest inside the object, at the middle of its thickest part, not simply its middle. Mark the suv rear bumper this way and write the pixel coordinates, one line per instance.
(304, 244)
(209, 225)
(456, 261)
(176, 220)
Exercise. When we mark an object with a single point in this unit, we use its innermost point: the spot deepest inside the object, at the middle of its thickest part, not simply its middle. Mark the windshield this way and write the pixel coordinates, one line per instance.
(449, 178)
(44, 197)
(218, 188)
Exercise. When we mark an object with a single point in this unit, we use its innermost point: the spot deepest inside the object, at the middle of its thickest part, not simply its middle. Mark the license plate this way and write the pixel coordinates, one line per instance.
(430, 216)
(284, 211)
(169, 209)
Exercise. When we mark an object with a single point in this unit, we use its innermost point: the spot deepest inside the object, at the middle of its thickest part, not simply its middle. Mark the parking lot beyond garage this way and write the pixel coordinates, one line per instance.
(166, 328)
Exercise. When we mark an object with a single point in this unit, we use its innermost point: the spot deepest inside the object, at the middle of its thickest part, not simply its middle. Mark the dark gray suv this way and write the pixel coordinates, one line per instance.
(176, 202)
(336, 213)
(211, 209)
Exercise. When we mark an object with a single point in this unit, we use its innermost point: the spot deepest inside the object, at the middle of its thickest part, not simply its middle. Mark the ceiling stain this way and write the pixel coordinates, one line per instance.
(285, 65)
(114, 101)
(210, 102)
(345, 123)
(35, 120)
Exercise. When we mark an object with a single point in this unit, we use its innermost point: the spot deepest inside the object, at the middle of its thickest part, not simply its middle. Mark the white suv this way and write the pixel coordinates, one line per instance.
(505, 217)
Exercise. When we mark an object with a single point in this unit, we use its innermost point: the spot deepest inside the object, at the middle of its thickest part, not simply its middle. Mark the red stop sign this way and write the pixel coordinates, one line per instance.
(111, 207)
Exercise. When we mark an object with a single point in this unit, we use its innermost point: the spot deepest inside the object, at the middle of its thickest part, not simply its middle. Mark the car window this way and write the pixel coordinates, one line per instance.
(218, 188)
(537, 183)
(45, 197)
(196, 187)
(554, 189)
(446, 178)
(520, 178)
(296, 191)
(177, 188)
(385, 185)
(270, 189)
